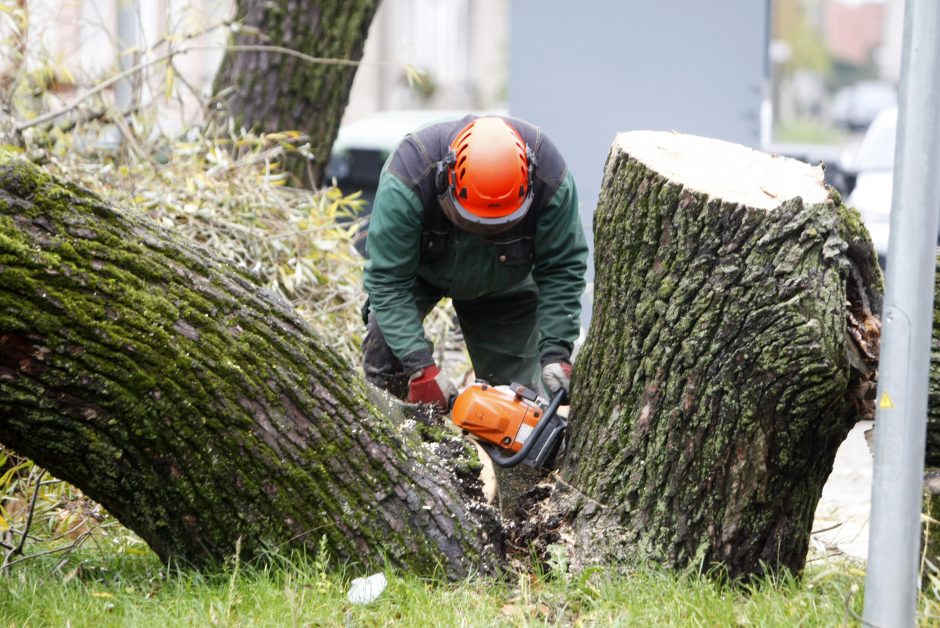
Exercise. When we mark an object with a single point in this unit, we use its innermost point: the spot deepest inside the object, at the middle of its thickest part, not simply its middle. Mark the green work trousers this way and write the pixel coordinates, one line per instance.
(500, 330)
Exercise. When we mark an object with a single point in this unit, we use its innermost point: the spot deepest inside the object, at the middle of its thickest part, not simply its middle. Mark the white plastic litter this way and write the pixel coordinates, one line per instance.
(366, 590)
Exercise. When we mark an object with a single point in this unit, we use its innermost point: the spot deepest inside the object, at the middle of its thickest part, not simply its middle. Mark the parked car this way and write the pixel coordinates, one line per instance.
(873, 165)
(874, 180)
(855, 106)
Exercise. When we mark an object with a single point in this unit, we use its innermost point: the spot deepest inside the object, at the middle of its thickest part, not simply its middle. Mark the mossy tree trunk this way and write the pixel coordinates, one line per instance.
(199, 409)
(931, 506)
(271, 91)
(733, 345)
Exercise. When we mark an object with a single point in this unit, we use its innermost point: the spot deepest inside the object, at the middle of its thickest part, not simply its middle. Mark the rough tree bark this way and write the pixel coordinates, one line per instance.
(732, 347)
(200, 410)
(931, 508)
(733, 344)
(270, 90)
(933, 402)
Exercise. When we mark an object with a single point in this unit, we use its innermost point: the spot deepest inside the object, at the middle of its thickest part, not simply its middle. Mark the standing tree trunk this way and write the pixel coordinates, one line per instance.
(733, 345)
(199, 409)
(271, 90)
(933, 400)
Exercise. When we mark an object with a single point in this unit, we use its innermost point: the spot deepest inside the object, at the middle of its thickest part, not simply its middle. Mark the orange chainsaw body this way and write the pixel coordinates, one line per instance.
(496, 415)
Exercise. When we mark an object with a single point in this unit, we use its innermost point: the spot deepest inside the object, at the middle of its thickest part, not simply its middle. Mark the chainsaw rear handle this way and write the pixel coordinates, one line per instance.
(548, 416)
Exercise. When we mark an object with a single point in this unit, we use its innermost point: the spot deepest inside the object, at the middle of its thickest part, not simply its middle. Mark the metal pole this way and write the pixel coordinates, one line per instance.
(127, 41)
(901, 420)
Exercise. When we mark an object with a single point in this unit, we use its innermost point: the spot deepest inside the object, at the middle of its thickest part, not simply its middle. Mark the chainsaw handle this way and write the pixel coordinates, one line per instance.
(511, 461)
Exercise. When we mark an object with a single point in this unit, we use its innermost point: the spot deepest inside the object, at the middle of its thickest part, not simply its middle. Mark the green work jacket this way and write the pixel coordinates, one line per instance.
(407, 225)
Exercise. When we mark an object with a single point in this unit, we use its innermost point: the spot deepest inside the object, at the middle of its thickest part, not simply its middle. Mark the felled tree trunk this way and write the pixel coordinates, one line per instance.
(199, 409)
(269, 90)
(733, 345)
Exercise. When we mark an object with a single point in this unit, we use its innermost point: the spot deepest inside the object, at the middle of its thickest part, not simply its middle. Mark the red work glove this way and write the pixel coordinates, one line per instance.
(429, 385)
(557, 375)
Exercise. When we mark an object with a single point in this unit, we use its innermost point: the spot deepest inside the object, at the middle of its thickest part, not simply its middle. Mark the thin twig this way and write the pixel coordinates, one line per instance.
(16, 551)
(67, 548)
(832, 527)
(288, 52)
(83, 522)
(97, 89)
(180, 51)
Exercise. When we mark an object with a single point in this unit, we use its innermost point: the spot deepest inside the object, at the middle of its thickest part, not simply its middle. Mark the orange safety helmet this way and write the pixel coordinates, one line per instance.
(485, 182)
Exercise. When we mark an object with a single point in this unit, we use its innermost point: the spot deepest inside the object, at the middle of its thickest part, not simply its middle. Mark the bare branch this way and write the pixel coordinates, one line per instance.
(100, 87)
(29, 521)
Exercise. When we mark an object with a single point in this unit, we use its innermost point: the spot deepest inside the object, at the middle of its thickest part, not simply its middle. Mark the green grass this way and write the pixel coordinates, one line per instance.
(135, 590)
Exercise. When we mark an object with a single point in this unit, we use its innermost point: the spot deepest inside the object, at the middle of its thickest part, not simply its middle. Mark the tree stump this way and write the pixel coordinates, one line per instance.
(733, 344)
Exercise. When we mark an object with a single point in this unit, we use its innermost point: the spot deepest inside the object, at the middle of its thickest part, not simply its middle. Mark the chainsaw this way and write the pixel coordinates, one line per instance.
(513, 424)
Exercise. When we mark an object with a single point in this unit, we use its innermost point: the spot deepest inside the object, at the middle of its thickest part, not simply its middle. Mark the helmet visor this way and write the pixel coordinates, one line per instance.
(468, 221)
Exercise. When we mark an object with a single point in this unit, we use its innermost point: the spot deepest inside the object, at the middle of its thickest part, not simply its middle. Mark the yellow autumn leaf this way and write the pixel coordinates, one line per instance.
(170, 81)
(103, 594)
(65, 74)
(415, 76)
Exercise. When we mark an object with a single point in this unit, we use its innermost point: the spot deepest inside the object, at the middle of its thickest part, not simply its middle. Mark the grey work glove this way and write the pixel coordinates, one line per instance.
(557, 375)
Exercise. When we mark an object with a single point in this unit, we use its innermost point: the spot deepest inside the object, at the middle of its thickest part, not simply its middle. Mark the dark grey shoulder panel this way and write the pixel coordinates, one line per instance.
(415, 159)
(551, 167)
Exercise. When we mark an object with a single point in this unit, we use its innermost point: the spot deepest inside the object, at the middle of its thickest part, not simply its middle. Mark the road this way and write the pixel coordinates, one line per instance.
(842, 515)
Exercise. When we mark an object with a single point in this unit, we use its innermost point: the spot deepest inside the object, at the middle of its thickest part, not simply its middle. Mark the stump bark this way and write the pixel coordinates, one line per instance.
(933, 401)
(733, 345)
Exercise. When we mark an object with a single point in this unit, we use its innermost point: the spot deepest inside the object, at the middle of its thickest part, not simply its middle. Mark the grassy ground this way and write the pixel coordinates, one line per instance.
(133, 589)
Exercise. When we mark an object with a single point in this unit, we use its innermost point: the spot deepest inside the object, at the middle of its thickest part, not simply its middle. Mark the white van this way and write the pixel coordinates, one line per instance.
(874, 168)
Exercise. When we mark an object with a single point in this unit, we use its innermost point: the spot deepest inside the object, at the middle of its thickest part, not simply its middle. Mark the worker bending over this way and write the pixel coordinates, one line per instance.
(482, 210)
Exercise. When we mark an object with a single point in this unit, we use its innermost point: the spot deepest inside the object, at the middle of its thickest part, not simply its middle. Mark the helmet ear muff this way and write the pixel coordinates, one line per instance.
(530, 156)
(443, 172)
